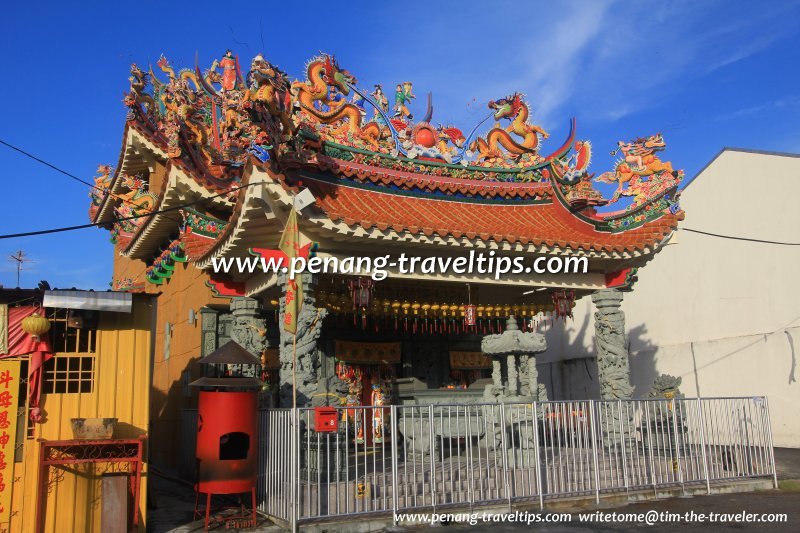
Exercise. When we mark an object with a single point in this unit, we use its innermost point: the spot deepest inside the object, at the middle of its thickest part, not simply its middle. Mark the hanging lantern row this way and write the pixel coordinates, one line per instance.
(426, 317)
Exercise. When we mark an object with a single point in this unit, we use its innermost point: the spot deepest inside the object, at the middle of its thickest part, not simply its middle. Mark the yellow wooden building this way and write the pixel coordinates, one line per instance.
(101, 369)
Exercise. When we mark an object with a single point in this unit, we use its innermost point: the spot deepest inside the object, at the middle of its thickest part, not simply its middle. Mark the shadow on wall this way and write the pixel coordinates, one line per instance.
(575, 376)
(643, 364)
(166, 423)
(751, 364)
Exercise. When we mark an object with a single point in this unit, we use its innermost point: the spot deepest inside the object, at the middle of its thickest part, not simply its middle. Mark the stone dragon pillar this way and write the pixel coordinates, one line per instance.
(248, 329)
(613, 367)
(307, 352)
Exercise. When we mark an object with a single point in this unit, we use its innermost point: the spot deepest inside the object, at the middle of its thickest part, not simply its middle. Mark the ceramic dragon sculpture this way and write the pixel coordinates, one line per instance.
(135, 203)
(515, 109)
(182, 104)
(640, 162)
(138, 197)
(322, 73)
(269, 87)
(139, 80)
(204, 82)
(102, 182)
(447, 136)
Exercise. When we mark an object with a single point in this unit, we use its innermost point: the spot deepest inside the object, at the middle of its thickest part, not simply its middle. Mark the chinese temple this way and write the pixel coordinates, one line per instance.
(211, 163)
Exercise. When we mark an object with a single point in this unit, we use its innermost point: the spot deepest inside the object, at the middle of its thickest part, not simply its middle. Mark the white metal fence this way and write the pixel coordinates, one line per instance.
(417, 457)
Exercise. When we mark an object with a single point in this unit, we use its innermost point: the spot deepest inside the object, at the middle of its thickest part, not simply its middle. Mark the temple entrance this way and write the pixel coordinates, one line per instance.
(369, 372)
(396, 342)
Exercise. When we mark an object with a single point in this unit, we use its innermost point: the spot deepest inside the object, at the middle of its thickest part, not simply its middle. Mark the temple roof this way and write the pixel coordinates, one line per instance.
(229, 153)
(542, 224)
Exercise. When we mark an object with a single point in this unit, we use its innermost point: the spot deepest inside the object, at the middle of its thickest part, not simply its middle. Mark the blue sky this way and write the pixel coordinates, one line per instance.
(707, 74)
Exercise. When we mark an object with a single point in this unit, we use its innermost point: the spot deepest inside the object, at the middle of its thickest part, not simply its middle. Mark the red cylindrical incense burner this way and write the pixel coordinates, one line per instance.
(227, 442)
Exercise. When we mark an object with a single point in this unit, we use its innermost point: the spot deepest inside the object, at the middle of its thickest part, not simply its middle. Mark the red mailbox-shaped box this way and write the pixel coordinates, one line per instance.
(325, 420)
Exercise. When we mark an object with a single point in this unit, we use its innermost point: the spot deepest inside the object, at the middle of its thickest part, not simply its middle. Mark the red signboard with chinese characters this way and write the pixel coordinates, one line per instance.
(469, 315)
(9, 393)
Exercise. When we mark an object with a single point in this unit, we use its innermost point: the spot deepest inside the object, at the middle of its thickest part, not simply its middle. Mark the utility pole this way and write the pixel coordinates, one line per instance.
(19, 258)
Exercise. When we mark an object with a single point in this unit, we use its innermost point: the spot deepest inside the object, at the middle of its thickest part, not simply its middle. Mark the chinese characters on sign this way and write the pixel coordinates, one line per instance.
(9, 391)
(469, 315)
(289, 245)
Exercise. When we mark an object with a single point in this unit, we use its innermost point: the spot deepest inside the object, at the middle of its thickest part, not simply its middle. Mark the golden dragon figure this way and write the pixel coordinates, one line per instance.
(180, 100)
(139, 80)
(211, 76)
(138, 198)
(515, 109)
(323, 72)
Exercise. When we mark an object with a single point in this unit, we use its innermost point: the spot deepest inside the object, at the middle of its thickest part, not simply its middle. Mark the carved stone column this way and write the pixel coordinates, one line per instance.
(513, 377)
(529, 379)
(243, 324)
(208, 331)
(309, 328)
(613, 366)
(249, 329)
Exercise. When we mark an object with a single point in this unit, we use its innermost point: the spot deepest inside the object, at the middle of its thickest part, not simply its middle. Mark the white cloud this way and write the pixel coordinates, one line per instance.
(610, 60)
(781, 103)
(554, 66)
(600, 60)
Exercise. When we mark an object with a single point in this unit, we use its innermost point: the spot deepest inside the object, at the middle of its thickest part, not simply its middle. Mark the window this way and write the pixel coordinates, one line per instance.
(73, 331)
(69, 374)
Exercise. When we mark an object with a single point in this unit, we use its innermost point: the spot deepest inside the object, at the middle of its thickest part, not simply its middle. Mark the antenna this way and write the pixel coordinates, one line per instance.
(20, 258)
(233, 37)
(261, 30)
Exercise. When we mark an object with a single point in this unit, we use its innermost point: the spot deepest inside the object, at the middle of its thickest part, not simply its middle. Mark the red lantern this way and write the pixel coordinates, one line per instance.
(469, 315)
(562, 303)
(362, 289)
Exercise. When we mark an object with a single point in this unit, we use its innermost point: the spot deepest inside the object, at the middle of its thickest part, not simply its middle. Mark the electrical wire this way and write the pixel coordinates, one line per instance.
(16, 303)
(152, 213)
(45, 163)
(76, 178)
(734, 238)
(64, 172)
(95, 224)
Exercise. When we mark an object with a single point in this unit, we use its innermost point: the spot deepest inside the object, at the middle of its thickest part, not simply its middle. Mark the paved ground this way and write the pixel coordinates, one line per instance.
(171, 508)
(174, 502)
(760, 502)
(787, 461)
(170, 504)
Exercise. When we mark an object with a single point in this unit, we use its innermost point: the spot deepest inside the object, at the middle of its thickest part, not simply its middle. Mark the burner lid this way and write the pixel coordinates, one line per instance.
(230, 353)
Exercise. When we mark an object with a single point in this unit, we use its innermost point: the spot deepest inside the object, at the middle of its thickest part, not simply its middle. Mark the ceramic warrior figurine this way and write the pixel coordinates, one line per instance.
(228, 66)
(353, 400)
(380, 99)
(631, 156)
(403, 95)
(378, 401)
